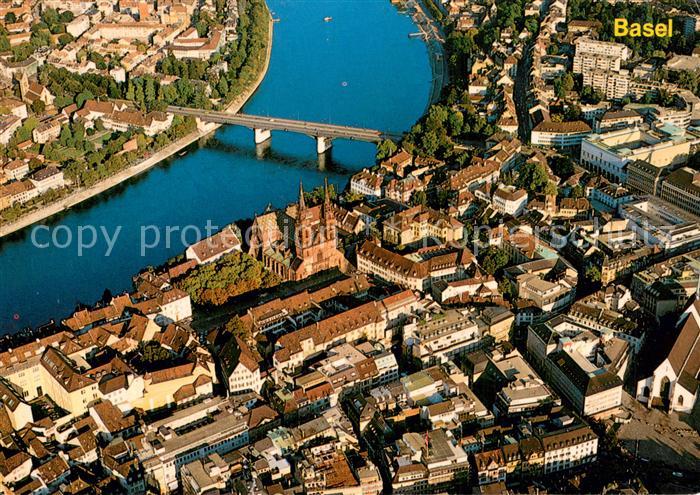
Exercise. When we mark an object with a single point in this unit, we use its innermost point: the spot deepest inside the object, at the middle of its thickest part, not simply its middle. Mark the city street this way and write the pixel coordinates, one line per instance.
(521, 94)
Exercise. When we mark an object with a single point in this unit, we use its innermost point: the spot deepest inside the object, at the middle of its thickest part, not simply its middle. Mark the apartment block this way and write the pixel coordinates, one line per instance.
(615, 85)
(598, 55)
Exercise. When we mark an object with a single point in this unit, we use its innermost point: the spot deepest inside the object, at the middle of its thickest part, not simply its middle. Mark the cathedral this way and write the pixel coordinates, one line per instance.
(299, 241)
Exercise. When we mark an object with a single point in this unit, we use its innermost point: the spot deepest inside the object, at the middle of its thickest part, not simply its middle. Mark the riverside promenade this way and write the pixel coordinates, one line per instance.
(82, 194)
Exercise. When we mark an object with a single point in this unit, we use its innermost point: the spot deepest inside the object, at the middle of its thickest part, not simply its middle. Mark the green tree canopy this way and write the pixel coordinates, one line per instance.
(231, 275)
(494, 260)
(532, 177)
(385, 149)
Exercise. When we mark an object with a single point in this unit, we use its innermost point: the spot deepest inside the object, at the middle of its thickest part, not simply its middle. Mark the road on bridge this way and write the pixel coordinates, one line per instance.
(316, 129)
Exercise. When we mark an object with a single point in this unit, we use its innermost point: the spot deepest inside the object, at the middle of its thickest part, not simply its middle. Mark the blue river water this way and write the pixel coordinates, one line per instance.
(359, 69)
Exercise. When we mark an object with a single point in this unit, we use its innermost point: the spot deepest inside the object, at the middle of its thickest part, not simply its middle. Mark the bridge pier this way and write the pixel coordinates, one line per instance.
(262, 149)
(323, 144)
(325, 160)
(262, 135)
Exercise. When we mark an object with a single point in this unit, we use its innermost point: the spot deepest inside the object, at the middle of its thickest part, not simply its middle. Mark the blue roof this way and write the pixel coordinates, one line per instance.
(671, 129)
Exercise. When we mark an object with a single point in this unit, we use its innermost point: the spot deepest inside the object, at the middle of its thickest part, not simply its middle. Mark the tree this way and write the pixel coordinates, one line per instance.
(550, 189)
(82, 97)
(532, 177)
(562, 166)
(563, 84)
(666, 98)
(455, 121)
(437, 116)
(38, 107)
(151, 355)
(64, 39)
(236, 328)
(10, 18)
(688, 80)
(419, 198)
(385, 149)
(531, 24)
(573, 112)
(429, 143)
(508, 290)
(223, 87)
(317, 195)
(24, 132)
(592, 273)
(166, 65)
(66, 16)
(140, 96)
(494, 260)
(231, 275)
(66, 137)
(150, 93)
(568, 82)
(35, 164)
(590, 95)
(130, 91)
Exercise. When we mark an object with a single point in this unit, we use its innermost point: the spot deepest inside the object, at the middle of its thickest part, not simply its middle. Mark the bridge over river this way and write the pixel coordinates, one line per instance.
(263, 126)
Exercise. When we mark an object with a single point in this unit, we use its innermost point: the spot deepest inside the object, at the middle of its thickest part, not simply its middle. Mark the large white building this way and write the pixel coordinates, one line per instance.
(610, 152)
(600, 64)
(598, 55)
(524, 392)
(615, 85)
(47, 178)
(64, 383)
(533, 282)
(509, 200)
(560, 135)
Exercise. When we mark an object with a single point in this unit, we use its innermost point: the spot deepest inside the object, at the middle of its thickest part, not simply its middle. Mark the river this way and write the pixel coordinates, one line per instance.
(359, 69)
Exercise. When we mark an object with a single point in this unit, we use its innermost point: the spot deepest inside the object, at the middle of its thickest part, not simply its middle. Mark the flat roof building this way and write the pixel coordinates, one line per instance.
(610, 152)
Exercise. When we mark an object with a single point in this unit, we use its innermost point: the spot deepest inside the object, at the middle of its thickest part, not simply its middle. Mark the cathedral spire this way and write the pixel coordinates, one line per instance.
(302, 203)
(326, 192)
(327, 209)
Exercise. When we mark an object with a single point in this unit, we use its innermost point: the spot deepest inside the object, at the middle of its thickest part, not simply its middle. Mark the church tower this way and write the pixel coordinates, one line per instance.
(303, 230)
(328, 216)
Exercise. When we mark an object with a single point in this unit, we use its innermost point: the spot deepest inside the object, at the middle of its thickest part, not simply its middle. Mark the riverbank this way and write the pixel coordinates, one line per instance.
(318, 71)
(83, 194)
(434, 38)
